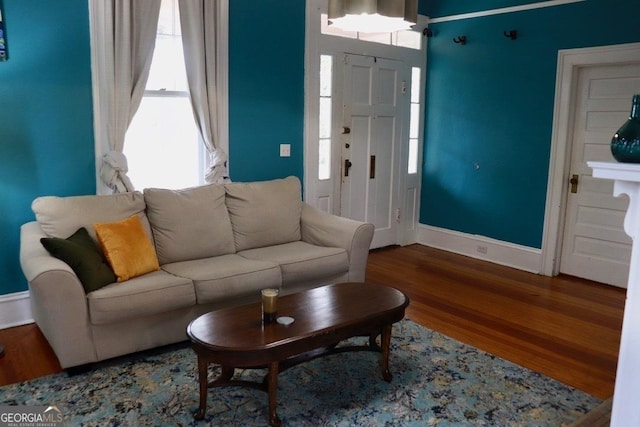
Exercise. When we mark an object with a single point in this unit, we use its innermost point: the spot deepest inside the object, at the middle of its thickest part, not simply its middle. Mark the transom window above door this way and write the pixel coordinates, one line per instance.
(407, 38)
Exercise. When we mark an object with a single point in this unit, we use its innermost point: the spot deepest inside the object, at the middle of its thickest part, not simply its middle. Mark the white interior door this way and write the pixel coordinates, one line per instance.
(594, 244)
(372, 119)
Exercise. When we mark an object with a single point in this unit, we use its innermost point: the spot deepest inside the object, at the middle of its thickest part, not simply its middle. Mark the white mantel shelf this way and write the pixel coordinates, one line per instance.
(618, 171)
(626, 409)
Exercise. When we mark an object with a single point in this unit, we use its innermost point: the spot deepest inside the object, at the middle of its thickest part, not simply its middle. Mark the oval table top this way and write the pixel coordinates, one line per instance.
(327, 313)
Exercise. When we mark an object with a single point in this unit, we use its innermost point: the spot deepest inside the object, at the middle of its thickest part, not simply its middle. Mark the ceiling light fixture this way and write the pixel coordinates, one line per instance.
(373, 16)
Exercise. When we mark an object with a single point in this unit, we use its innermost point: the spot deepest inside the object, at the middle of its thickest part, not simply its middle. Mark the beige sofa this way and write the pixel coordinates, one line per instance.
(217, 245)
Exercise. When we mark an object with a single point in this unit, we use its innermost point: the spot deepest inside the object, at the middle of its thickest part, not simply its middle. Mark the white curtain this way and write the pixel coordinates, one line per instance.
(200, 39)
(123, 36)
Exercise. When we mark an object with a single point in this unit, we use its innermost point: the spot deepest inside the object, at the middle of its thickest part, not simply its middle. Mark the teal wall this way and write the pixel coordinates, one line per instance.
(489, 110)
(46, 122)
(266, 88)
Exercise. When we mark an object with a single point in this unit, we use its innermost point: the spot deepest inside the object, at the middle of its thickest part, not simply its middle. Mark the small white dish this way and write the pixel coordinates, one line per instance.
(285, 320)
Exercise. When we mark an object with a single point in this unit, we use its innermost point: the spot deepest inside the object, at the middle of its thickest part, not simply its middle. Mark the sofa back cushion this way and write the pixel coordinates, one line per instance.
(265, 213)
(63, 216)
(189, 224)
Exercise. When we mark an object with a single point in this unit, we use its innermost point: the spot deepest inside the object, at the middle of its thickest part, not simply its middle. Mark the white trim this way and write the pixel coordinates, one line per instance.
(317, 44)
(497, 251)
(500, 11)
(222, 61)
(312, 93)
(15, 310)
(569, 62)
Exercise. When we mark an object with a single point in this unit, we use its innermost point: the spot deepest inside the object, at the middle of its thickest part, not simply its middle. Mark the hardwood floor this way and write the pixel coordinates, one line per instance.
(27, 355)
(564, 327)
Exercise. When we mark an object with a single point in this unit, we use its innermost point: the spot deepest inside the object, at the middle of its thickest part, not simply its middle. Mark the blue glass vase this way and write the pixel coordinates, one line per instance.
(625, 144)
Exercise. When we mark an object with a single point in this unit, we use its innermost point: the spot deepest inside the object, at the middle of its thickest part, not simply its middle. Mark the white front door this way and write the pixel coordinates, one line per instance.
(594, 244)
(373, 105)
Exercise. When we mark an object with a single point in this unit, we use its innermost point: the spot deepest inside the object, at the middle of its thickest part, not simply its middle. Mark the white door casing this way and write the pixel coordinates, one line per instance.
(592, 101)
(594, 244)
(325, 193)
(373, 107)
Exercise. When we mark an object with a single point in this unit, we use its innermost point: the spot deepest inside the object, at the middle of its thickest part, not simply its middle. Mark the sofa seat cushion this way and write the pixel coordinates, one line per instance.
(153, 293)
(264, 213)
(227, 276)
(189, 224)
(301, 261)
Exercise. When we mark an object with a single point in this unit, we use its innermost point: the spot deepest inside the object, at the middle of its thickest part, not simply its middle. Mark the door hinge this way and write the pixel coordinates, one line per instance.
(398, 215)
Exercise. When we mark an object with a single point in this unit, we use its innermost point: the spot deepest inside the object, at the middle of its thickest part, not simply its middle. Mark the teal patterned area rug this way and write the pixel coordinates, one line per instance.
(436, 381)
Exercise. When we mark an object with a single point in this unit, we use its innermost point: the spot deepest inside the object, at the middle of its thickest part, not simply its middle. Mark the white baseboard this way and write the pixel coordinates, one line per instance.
(15, 310)
(481, 247)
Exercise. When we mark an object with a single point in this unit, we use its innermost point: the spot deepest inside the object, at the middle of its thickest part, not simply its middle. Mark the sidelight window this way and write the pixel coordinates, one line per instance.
(324, 147)
(414, 121)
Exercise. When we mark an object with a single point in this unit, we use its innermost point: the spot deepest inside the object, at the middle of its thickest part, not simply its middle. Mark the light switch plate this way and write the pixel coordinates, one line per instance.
(285, 150)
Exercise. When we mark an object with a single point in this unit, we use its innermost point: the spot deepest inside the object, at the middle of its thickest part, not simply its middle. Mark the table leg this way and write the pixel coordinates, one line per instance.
(274, 421)
(204, 384)
(385, 343)
(372, 341)
(226, 373)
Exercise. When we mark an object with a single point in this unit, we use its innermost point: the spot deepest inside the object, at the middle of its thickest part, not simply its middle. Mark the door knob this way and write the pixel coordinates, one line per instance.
(347, 166)
(574, 183)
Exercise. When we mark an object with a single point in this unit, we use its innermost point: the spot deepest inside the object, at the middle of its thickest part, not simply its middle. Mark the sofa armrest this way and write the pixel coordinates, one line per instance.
(58, 302)
(323, 229)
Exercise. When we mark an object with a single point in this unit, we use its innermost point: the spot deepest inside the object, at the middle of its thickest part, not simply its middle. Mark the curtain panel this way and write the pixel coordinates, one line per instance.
(123, 36)
(201, 40)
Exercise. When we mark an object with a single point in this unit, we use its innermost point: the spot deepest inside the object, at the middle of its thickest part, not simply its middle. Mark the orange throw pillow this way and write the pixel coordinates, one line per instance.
(127, 248)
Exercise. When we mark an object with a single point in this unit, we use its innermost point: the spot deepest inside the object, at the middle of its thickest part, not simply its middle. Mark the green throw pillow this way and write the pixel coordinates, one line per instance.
(84, 257)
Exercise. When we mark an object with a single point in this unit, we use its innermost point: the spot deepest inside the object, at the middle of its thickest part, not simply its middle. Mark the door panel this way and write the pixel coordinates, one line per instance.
(357, 154)
(370, 151)
(595, 245)
(380, 175)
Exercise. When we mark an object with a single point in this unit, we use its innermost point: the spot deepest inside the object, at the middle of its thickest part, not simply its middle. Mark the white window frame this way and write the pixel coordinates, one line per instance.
(101, 145)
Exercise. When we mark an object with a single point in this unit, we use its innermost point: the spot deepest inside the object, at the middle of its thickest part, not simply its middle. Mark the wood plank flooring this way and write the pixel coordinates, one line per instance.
(564, 327)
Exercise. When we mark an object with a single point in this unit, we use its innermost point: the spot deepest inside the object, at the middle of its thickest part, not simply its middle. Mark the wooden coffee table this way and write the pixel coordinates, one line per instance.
(235, 337)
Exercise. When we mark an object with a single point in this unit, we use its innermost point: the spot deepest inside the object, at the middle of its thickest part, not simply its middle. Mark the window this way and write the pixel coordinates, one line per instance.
(414, 121)
(324, 150)
(162, 143)
(407, 38)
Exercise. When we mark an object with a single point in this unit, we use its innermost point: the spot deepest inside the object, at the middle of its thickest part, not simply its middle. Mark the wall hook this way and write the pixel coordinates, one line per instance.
(460, 39)
(512, 34)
